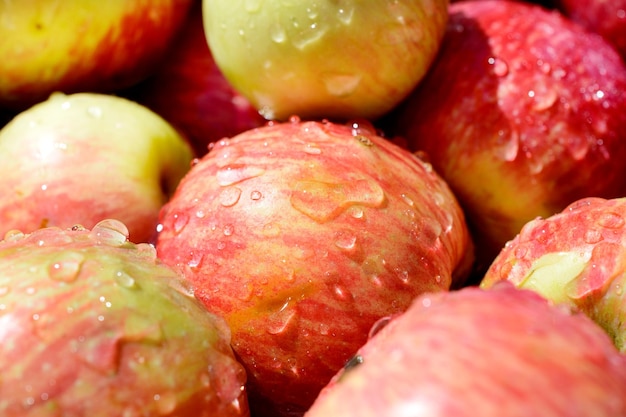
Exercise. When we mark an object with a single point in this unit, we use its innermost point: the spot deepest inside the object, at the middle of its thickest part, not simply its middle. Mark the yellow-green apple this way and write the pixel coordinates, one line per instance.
(536, 121)
(93, 325)
(190, 92)
(606, 17)
(302, 235)
(488, 353)
(91, 45)
(576, 257)
(324, 59)
(84, 157)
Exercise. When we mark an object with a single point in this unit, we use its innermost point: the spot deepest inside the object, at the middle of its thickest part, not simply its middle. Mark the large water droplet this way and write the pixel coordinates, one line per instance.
(346, 241)
(180, 221)
(277, 33)
(322, 201)
(340, 84)
(611, 221)
(230, 196)
(67, 267)
(235, 173)
(124, 279)
(278, 322)
(110, 232)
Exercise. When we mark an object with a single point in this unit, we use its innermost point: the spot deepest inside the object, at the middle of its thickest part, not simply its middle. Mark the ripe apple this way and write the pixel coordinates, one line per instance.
(302, 235)
(576, 257)
(47, 46)
(535, 120)
(93, 325)
(85, 157)
(188, 90)
(606, 17)
(324, 59)
(488, 353)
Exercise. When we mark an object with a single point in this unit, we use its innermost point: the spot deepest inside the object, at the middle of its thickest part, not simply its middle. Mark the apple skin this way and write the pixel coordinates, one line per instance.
(324, 59)
(85, 157)
(535, 120)
(576, 257)
(302, 235)
(488, 353)
(188, 90)
(92, 46)
(605, 17)
(93, 325)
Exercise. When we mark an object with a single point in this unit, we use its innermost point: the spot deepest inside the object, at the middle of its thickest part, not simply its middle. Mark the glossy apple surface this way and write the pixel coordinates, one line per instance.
(576, 257)
(85, 157)
(324, 59)
(49, 46)
(302, 235)
(533, 118)
(502, 352)
(189, 91)
(605, 17)
(93, 325)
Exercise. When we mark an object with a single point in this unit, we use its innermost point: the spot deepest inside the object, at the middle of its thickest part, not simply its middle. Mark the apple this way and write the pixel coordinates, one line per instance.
(488, 353)
(93, 325)
(92, 46)
(576, 257)
(324, 59)
(189, 91)
(84, 157)
(522, 113)
(302, 234)
(606, 17)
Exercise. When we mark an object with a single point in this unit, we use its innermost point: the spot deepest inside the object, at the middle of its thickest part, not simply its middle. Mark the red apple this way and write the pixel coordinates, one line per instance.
(576, 257)
(606, 17)
(93, 325)
(522, 113)
(328, 58)
(93, 45)
(190, 92)
(85, 157)
(502, 352)
(302, 235)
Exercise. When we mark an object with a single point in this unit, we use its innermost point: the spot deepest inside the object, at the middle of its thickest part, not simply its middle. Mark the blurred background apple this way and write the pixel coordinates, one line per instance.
(90, 45)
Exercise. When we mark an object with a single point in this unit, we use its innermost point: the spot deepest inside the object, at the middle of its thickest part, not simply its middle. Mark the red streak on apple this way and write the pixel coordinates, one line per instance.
(302, 235)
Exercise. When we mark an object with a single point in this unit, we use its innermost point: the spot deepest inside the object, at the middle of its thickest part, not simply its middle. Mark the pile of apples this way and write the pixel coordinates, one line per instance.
(313, 208)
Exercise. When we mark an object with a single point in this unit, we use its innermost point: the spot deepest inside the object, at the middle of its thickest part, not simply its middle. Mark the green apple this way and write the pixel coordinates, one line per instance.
(334, 59)
(93, 325)
(85, 157)
(93, 45)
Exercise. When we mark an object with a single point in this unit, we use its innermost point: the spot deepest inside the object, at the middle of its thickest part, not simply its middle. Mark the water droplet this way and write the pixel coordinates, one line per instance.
(94, 111)
(229, 229)
(545, 100)
(256, 195)
(345, 14)
(339, 84)
(230, 196)
(322, 201)
(166, 403)
(280, 321)
(378, 326)
(346, 241)
(180, 221)
(183, 287)
(4, 291)
(408, 200)
(340, 292)
(110, 232)
(124, 279)
(312, 149)
(611, 221)
(196, 260)
(356, 212)
(14, 235)
(236, 173)
(67, 267)
(593, 236)
(324, 329)
(271, 230)
(277, 33)
(500, 67)
(510, 148)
